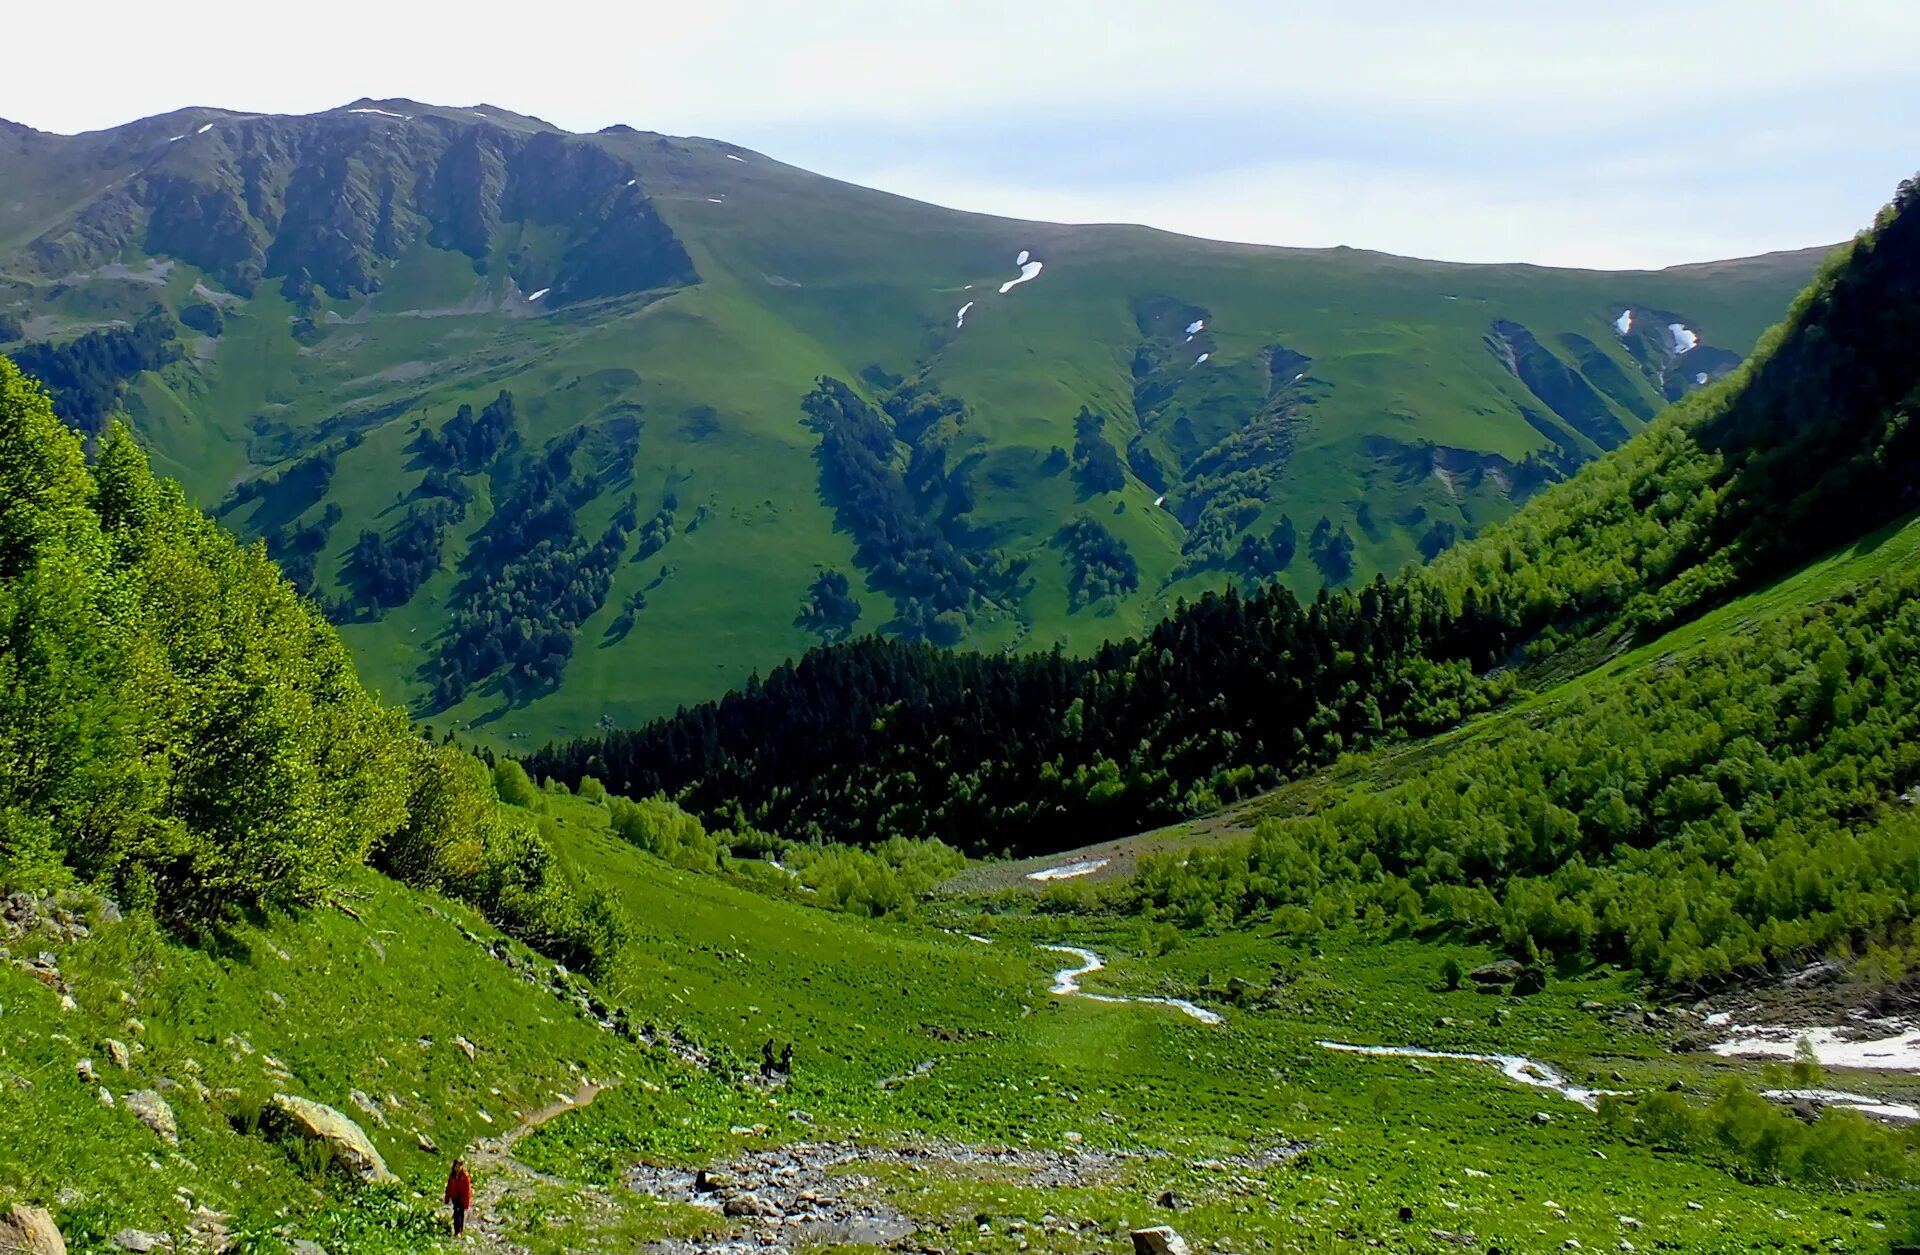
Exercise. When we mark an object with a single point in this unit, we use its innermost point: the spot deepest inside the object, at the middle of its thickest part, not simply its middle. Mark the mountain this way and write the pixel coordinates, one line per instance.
(1560, 806)
(747, 408)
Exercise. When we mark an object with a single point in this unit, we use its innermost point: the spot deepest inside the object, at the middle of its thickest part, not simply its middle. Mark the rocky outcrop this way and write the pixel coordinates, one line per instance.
(1160, 1240)
(352, 1150)
(30, 1231)
(150, 1109)
(328, 201)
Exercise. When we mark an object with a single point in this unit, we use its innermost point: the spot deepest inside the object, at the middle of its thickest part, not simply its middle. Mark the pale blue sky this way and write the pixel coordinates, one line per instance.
(1596, 135)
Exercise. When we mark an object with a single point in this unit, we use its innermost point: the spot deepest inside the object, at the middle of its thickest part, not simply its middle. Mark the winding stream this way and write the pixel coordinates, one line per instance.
(1066, 981)
(1514, 1067)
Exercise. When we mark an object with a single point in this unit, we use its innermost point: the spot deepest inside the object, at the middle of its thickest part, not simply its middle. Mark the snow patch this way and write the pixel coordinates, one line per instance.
(1701, 378)
(731, 157)
(1067, 871)
(633, 182)
(715, 200)
(1066, 981)
(176, 139)
(1028, 270)
(1513, 1067)
(383, 113)
(1160, 501)
(960, 319)
(1624, 323)
(1203, 357)
(1898, 1053)
(537, 295)
(1195, 327)
(1683, 337)
(203, 130)
(1021, 260)
(985, 941)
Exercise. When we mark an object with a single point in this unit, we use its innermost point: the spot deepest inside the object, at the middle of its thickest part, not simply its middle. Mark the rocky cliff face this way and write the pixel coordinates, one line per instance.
(330, 198)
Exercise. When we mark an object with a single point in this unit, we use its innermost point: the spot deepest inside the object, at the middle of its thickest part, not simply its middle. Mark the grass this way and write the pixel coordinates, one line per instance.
(803, 276)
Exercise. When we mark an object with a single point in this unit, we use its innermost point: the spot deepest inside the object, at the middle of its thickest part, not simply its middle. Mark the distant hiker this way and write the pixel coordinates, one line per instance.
(786, 1059)
(766, 1058)
(460, 1194)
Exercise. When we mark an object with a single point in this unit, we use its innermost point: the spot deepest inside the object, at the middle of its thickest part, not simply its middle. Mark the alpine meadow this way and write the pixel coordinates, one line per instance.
(750, 713)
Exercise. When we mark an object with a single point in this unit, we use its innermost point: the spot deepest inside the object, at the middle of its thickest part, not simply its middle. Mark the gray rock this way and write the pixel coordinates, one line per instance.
(30, 1231)
(1541, 1117)
(84, 1069)
(150, 1109)
(117, 1054)
(1502, 972)
(750, 1205)
(140, 1243)
(1159, 1240)
(352, 1149)
(877, 1230)
(305, 1247)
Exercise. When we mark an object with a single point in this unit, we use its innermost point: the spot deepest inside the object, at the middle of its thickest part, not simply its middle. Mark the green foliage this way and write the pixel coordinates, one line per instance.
(663, 829)
(88, 375)
(884, 880)
(1758, 1140)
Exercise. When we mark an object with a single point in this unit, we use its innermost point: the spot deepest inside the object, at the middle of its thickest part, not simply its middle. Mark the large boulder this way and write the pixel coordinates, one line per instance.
(150, 1109)
(1499, 972)
(1160, 1240)
(352, 1149)
(30, 1231)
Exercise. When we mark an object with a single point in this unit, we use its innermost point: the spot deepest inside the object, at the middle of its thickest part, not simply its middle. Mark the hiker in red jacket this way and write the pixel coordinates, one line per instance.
(460, 1194)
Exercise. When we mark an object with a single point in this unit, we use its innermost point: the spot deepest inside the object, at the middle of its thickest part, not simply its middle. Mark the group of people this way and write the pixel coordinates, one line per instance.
(770, 1067)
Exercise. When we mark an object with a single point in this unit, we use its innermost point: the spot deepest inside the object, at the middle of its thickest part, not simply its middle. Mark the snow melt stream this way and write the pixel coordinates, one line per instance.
(1066, 981)
(1513, 1067)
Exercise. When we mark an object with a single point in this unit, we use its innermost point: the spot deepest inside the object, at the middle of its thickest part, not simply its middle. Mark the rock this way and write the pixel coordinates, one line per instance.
(1629, 1222)
(30, 1231)
(117, 1054)
(150, 1109)
(1502, 972)
(366, 1103)
(878, 1230)
(305, 1247)
(1443, 1235)
(1406, 1213)
(712, 1181)
(349, 1142)
(1171, 1201)
(426, 1143)
(106, 1097)
(467, 1048)
(1159, 1240)
(750, 1205)
(1531, 980)
(1541, 1117)
(67, 1004)
(1591, 1005)
(85, 1071)
(140, 1243)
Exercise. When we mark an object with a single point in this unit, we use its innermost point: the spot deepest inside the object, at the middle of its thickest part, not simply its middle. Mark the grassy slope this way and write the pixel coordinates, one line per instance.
(803, 276)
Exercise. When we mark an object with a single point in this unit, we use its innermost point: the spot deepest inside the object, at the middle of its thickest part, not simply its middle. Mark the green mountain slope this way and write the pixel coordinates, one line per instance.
(1712, 784)
(350, 279)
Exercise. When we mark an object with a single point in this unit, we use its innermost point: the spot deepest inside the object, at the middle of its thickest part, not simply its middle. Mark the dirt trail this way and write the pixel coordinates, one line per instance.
(499, 1179)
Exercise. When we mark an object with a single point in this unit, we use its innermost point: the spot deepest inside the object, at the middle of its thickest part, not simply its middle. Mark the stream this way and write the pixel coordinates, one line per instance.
(1066, 981)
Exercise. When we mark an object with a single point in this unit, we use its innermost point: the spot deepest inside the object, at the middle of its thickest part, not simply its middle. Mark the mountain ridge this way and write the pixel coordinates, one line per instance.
(355, 278)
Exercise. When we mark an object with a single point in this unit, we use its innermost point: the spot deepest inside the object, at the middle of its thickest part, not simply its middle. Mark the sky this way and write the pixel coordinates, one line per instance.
(1597, 135)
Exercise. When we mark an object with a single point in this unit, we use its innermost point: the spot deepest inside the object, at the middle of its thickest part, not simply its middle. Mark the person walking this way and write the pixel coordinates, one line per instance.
(460, 1194)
